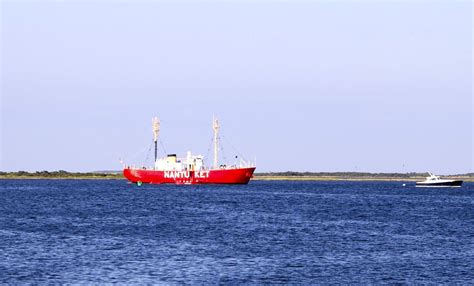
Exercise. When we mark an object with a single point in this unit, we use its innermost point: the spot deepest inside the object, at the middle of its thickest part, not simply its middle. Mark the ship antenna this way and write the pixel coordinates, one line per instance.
(156, 130)
(215, 126)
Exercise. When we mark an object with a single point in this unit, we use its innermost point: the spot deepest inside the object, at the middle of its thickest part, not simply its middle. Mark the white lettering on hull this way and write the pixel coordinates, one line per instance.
(201, 174)
(185, 174)
(177, 174)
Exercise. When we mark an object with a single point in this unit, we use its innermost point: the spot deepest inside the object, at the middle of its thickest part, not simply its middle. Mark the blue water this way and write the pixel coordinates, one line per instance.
(87, 231)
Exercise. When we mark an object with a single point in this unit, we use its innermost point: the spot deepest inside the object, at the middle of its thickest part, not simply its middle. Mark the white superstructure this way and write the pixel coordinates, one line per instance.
(173, 163)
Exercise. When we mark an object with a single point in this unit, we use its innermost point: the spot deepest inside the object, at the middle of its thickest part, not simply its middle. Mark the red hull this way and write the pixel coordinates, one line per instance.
(220, 176)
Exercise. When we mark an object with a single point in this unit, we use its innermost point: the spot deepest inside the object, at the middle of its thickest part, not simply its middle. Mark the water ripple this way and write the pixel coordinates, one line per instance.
(67, 231)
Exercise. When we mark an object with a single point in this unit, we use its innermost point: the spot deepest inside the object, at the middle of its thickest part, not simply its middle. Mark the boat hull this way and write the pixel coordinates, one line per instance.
(457, 183)
(218, 176)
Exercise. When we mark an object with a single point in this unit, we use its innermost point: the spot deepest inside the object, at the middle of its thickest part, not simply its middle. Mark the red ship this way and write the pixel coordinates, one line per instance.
(190, 169)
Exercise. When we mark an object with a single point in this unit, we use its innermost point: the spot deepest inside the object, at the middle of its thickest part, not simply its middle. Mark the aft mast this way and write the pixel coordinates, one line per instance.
(215, 126)
(156, 129)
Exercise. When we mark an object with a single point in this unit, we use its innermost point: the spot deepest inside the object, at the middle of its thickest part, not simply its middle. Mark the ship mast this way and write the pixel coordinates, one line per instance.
(156, 129)
(215, 126)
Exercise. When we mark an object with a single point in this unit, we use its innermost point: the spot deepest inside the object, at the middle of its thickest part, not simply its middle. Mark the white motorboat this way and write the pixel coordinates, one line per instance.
(436, 181)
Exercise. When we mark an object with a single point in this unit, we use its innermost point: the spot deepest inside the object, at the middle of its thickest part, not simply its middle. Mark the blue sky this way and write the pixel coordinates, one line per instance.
(304, 86)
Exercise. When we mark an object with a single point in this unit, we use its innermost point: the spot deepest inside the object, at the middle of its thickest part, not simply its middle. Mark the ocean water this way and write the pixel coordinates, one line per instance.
(88, 231)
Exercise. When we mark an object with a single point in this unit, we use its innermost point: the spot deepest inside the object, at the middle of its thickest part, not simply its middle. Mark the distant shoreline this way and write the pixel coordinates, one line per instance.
(279, 176)
(343, 178)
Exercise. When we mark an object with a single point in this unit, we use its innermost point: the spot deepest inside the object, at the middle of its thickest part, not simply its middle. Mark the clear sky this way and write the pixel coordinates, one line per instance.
(303, 86)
